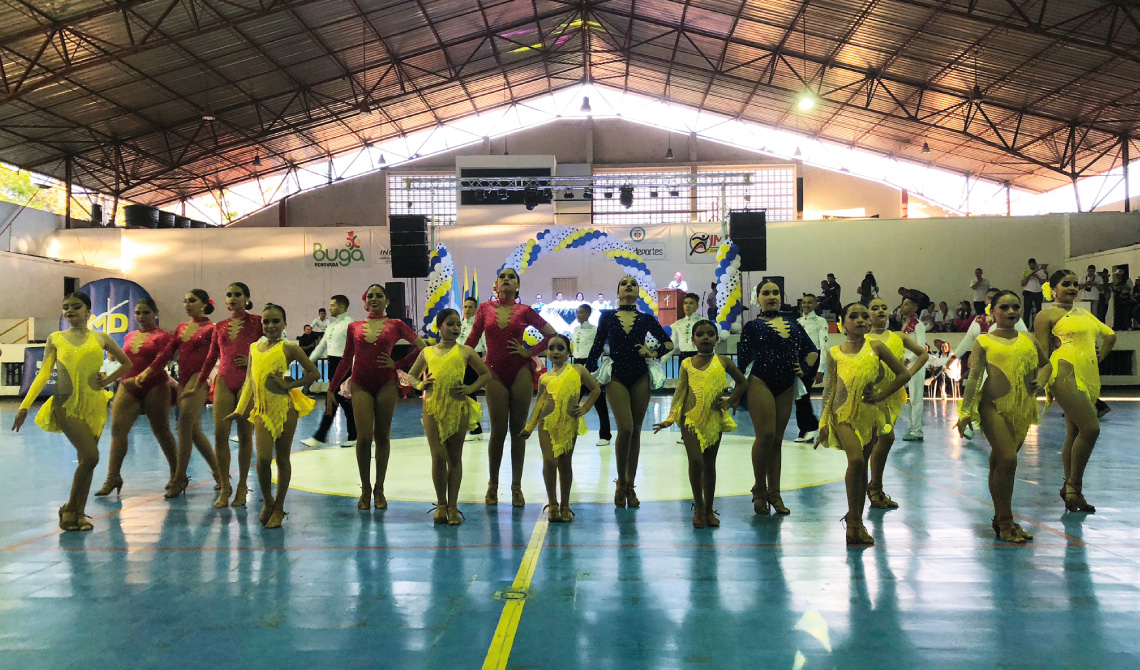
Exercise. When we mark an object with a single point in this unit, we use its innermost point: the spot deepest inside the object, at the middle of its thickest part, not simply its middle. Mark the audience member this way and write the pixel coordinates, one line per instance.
(1031, 281)
(308, 341)
(980, 285)
(321, 322)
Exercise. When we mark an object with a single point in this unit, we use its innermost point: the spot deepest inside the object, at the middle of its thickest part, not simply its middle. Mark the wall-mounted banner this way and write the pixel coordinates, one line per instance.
(33, 359)
(381, 247)
(702, 242)
(338, 248)
(113, 307)
(649, 242)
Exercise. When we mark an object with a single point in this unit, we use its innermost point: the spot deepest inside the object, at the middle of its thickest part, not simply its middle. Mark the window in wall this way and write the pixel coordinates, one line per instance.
(769, 188)
(430, 195)
(657, 195)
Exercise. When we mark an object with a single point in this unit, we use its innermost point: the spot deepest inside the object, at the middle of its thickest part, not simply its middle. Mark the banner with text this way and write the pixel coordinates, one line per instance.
(702, 241)
(338, 248)
(649, 242)
(113, 303)
(33, 360)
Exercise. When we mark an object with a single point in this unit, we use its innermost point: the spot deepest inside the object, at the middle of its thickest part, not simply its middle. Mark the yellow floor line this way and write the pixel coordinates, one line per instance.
(500, 650)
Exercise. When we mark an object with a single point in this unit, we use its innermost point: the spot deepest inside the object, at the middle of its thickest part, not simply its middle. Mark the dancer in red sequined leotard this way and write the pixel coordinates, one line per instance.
(191, 341)
(133, 397)
(230, 343)
(368, 357)
(512, 380)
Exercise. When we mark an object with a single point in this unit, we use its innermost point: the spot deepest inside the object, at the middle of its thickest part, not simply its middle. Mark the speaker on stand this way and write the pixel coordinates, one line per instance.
(409, 241)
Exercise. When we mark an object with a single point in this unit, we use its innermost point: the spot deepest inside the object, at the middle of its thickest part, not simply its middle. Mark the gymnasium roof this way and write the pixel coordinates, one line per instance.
(1032, 92)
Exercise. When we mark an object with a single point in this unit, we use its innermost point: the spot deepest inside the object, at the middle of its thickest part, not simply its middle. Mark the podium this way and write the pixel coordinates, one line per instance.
(670, 305)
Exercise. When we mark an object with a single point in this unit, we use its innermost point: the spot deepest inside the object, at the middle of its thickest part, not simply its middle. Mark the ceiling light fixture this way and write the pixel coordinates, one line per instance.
(925, 148)
(626, 196)
(669, 154)
(382, 161)
(586, 104)
(798, 153)
(256, 161)
(208, 114)
(806, 101)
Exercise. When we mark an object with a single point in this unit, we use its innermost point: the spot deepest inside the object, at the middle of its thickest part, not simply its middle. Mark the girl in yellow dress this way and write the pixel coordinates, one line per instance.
(78, 407)
(1005, 402)
(701, 410)
(561, 410)
(448, 409)
(850, 419)
(899, 343)
(1075, 378)
(273, 405)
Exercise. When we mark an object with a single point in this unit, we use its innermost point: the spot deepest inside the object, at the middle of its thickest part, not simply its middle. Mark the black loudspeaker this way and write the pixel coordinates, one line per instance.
(397, 299)
(409, 245)
(749, 231)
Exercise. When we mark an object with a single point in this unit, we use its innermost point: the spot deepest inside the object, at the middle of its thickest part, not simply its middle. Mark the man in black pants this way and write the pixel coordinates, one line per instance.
(332, 345)
(816, 328)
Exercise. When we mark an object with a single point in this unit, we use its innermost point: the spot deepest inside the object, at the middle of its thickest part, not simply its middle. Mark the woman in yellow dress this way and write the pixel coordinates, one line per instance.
(1005, 402)
(1075, 378)
(78, 407)
(448, 409)
(273, 405)
(561, 411)
(899, 343)
(701, 410)
(851, 419)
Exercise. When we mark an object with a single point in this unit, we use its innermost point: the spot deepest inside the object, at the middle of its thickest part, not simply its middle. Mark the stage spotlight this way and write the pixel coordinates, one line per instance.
(588, 193)
(674, 193)
(626, 196)
(608, 194)
(530, 196)
(568, 194)
(653, 194)
(504, 195)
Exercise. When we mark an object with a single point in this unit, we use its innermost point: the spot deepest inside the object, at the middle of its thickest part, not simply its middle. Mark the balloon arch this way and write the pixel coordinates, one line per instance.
(441, 278)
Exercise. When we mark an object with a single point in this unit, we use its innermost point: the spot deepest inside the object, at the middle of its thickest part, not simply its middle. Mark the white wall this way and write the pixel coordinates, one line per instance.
(33, 287)
(21, 230)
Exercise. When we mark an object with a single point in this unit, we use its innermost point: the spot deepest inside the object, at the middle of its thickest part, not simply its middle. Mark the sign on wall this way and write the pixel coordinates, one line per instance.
(112, 307)
(651, 243)
(338, 248)
(33, 360)
(702, 241)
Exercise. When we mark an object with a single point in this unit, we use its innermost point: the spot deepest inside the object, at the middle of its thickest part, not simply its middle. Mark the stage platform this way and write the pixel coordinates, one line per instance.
(163, 584)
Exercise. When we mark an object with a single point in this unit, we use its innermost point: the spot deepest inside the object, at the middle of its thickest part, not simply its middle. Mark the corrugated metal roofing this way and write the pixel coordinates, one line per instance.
(286, 80)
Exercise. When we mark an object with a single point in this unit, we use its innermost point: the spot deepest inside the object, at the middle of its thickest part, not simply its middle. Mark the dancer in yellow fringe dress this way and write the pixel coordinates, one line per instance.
(1075, 379)
(78, 407)
(899, 343)
(850, 419)
(276, 406)
(449, 411)
(562, 412)
(1005, 403)
(701, 411)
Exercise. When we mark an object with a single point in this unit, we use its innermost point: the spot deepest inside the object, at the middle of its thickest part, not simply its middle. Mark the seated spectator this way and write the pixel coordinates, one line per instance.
(943, 318)
(308, 341)
(963, 316)
(927, 319)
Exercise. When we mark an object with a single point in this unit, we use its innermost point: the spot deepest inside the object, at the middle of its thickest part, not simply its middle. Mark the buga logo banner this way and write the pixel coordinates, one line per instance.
(113, 307)
(33, 359)
(702, 242)
(337, 250)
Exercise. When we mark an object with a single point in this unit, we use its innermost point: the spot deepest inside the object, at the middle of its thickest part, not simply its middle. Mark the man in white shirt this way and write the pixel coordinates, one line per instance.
(581, 340)
(1092, 288)
(332, 347)
(980, 285)
(912, 326)
(321, 323)
(1031, 281)
(600, 303)
(683, 346)
(679, 283)
(817, 329)
(470, 306)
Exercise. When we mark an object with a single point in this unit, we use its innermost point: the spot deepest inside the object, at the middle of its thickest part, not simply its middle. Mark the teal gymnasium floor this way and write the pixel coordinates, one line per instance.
(180, 585)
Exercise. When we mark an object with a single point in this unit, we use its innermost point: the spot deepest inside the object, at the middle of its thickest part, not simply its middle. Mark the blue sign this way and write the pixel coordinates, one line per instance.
(112, 307)
(33, 359)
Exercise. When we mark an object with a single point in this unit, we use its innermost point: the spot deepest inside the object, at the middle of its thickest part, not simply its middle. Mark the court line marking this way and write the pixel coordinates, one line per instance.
(1072, 539)
(500, 650)
(58, 531)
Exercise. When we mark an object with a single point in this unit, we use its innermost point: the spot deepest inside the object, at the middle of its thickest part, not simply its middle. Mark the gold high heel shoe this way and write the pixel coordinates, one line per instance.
(777, 503)
(378, 497)
(857, 535)
(619, 494)
(631, 496)
(177, 488)
(517, 499)
(239, 496)
(223, 500)
(440, 516)
(492, 497)
(113, 483)
(276, 519)
(365, 501)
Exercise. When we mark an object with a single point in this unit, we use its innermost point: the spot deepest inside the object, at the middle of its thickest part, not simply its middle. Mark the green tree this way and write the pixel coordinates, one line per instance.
(16, 185)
